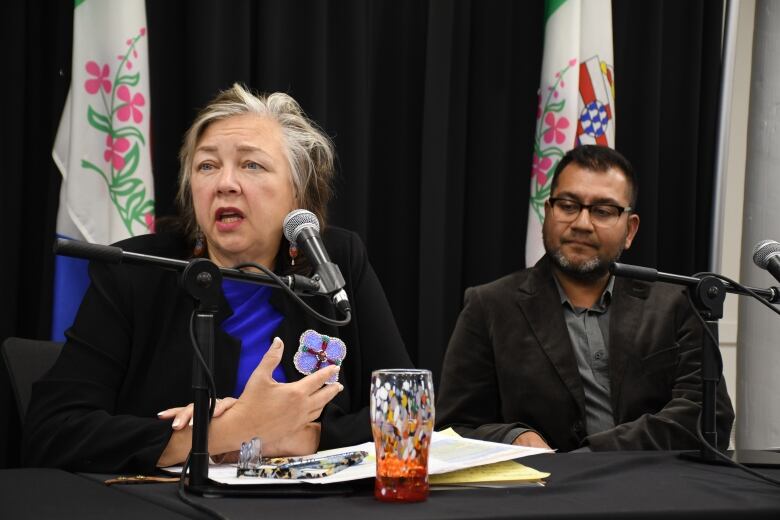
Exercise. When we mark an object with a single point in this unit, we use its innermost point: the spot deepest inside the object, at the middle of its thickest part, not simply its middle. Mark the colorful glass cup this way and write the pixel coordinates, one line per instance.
(402, 417)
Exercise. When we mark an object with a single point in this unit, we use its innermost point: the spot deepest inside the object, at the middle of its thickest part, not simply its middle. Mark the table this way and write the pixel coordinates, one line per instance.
(607, 484)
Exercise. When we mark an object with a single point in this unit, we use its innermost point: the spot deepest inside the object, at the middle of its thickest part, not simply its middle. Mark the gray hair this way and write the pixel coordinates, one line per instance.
(309, 150)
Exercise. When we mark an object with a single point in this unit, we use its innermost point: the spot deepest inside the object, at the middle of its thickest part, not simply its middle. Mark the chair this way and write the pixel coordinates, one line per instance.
(26, 361)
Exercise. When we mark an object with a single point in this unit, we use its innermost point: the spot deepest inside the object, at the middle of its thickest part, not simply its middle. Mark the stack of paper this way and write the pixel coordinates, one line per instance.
(498, 474)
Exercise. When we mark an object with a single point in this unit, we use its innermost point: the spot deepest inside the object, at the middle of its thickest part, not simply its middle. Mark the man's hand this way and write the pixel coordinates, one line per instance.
(531, 440)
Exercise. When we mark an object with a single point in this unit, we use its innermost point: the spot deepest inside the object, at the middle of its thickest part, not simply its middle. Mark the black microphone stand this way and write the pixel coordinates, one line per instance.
(708, 294)
(202, 280)
(708, 297)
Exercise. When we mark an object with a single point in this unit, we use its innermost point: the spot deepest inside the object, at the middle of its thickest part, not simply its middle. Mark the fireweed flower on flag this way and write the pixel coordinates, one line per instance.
(133, 105)
(541, 168)
(555, 129)
(114, 151)
(100, 79)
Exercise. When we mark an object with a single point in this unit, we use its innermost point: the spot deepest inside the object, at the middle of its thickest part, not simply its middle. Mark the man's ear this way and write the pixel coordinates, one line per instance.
(633, 227)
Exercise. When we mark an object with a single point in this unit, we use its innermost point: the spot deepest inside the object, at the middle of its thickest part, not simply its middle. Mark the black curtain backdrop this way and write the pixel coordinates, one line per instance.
(432, 108)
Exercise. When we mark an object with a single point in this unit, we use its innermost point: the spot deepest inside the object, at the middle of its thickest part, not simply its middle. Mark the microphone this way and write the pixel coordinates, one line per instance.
(766, 255)
(302, 227)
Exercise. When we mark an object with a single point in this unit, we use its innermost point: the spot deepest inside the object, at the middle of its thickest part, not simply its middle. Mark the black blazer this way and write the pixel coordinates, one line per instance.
(510, 364)
(128, 356)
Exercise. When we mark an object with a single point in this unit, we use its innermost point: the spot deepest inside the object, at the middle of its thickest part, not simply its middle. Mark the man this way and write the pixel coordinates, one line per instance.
(563, 355)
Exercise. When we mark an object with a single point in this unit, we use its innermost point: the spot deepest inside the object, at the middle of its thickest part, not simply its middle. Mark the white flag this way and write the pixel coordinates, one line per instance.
(102, 147)
(576, 97)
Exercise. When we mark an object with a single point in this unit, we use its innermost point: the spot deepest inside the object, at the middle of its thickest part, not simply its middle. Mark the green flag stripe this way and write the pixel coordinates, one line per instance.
(550, 6)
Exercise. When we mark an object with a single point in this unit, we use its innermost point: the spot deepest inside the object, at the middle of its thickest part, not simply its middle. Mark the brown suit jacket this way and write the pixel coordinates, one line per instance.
(510, 364)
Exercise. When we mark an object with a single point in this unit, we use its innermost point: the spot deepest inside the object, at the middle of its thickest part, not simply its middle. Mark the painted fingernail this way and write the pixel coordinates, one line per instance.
(175, 423)
(190, 422)
(277, 342)
(160, 413)
(341, 387)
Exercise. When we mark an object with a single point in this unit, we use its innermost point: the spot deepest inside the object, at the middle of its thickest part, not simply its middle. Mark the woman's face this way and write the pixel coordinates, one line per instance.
(242, 189)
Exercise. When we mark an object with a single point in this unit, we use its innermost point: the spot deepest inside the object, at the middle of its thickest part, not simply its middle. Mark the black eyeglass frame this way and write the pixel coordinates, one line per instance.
(621, 209)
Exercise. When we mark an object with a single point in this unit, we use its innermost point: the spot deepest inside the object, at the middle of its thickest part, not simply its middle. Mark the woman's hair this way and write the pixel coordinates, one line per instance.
(308, 149)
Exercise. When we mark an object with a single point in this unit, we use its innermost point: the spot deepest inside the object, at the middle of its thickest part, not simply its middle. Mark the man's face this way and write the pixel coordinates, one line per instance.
(578, 248)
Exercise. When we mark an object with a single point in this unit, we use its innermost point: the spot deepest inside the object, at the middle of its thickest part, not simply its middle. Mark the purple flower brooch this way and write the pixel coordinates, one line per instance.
(317, 351)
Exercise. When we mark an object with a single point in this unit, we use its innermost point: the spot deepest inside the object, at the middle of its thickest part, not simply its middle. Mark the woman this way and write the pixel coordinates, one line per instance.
(114, 400)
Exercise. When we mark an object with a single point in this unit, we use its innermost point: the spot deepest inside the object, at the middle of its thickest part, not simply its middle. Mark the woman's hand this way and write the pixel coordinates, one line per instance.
(182, 415)
(281, 414)
(275, 411)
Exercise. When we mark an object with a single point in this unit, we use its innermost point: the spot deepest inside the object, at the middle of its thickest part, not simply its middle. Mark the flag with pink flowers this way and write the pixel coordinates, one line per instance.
(103, 148)
(576, 102)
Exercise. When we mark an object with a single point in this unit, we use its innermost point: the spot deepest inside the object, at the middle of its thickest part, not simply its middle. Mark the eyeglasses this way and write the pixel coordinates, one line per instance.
(601, 215)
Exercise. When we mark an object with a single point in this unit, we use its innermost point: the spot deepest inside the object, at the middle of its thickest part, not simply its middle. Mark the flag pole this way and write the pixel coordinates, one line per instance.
(728, 58)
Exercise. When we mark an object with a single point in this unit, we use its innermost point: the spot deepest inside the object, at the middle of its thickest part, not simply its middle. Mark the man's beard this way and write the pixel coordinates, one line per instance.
(588, 271)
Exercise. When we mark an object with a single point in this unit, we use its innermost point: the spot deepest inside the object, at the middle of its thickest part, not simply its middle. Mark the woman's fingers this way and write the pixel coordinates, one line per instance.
(170, 412)
(182, 415)
(270, 360)
(223, 405)
(314, 382)
(183, 418)
(320, 398)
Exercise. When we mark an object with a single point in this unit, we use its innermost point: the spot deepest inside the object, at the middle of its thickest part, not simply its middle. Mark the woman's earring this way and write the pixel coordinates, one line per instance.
(199, 244)
(293, 253)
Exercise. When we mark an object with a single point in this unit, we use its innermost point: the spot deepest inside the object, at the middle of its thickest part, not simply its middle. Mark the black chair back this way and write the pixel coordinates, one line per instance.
(26, 361)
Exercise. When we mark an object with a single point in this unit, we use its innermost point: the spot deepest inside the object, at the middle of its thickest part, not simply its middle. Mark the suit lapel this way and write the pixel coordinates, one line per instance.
(540, 303)
(626, 311)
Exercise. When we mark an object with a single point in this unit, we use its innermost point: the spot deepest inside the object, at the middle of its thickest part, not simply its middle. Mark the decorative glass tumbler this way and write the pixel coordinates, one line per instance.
(402, 416)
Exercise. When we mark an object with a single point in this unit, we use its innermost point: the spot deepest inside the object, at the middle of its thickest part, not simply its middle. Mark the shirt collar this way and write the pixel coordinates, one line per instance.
(600, 306)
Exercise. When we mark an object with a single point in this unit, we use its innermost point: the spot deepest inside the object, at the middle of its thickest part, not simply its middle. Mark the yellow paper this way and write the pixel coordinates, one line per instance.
(508, 471)
(449, 432)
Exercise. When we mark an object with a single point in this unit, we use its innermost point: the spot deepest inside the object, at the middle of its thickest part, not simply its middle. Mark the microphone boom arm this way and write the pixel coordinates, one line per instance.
(648, 274)
(116, 255)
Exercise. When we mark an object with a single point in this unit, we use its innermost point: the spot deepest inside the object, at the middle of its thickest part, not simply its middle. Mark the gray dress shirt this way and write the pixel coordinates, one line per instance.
(589, 333)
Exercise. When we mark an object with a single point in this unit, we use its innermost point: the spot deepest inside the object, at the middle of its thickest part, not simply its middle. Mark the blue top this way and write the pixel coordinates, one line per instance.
(254, 322)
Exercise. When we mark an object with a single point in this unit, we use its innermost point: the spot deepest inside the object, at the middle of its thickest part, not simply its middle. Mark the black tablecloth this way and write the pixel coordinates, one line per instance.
(609, 484)
(52, 493)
